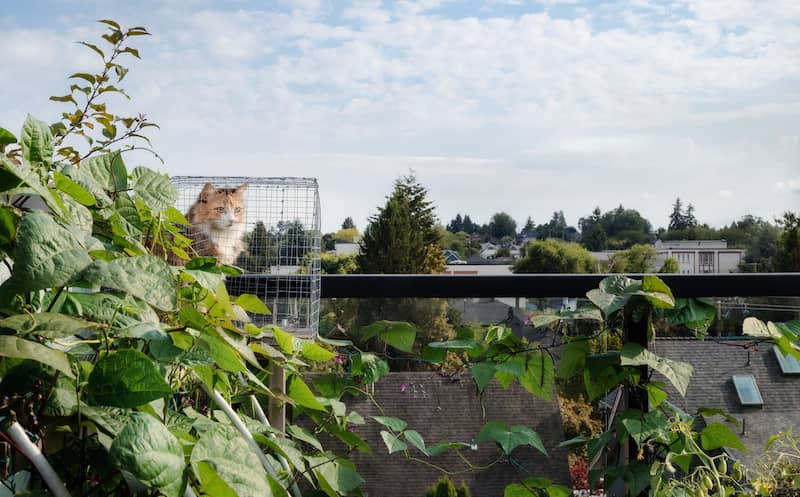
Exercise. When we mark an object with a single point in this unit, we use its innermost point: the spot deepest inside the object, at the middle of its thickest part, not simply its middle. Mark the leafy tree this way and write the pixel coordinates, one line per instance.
(670, 265)
(556, 228)
(554, 256)
(625, 227)
(787, 257)
(402, 237)
(595, 240)
(338, 264)
(346, 235)
(348, 223)
(637, 259)
(502, 225)
(469, 226)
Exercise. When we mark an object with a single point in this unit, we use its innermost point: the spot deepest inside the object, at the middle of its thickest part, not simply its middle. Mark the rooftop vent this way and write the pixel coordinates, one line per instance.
(789, 363)
(747, 390)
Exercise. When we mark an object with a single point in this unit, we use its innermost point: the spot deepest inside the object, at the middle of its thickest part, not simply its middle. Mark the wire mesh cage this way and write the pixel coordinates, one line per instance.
(269, 227)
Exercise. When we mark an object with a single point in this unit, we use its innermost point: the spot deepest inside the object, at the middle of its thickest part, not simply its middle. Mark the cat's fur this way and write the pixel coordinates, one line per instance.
(217, 222)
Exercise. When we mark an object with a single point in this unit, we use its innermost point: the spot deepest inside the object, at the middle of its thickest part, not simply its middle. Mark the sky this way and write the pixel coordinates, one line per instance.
(521, 106)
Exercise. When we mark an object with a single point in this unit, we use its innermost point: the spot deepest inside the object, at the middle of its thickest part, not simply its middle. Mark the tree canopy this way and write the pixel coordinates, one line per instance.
(502, 225)
(554, 256)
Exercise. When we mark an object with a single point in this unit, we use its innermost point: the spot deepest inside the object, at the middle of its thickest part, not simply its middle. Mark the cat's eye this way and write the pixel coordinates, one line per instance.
(220, 209)
(237, 210)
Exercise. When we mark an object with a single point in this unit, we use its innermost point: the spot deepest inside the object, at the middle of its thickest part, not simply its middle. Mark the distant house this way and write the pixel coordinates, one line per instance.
(751, 383)
(488, 250)
(449, 409)
(700, 256)
(490, 312)
(340, 248)
(452, 257)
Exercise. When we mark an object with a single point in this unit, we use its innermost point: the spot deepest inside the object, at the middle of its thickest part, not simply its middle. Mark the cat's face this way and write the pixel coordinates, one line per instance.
(221, 208)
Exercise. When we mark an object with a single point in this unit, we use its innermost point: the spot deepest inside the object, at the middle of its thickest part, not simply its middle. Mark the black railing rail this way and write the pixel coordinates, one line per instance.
(548, 285)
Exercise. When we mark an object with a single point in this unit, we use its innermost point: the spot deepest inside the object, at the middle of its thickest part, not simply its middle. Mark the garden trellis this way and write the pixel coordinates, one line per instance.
(281, 256)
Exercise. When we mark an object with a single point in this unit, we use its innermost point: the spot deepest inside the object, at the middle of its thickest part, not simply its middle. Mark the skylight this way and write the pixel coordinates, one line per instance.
(747, 390)
(789, 363)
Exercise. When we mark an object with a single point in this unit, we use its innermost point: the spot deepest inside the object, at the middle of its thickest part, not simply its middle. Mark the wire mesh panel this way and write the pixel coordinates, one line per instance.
(274, 236)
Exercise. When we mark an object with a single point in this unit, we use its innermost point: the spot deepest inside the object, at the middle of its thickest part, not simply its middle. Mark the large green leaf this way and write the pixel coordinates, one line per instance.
(299, 392)
(19, 348)
(37, 142)
(73, 189)
(126, 378)
(573, 358)
(613, 293)
(717, 435)
(694, 313)
(582, 313)
(640, 426)
(46, 256)
(9, 219)
(46, 324)
(108, 171)
(393, 442)
(483, 372)
(6, 137)
(82, 178)
(251, 303)
(315, 352)
(657, 292)
(335, 475)
(678, 373)
(145, 277)
(146, 450)
(154, 189)
(398, 334)
(120, 312)
(224, 450)
(509, 438)
(394, 424)
(369, 365)
(34, 179)
(539, 375)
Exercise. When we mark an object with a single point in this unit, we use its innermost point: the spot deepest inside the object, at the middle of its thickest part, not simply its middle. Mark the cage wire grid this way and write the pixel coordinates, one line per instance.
(280, 234)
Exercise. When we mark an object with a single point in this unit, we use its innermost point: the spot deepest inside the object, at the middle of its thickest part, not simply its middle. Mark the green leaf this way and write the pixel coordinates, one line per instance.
(393, 443)
(694, 313)
(678, 373)
(9, 219)
(717, 435)
(455, 344)
(573, 358)
(232, 459)
(299, 392)
(394, 424)
(482, 372)
(212, 483)
(251, 303)
(46, 256)
(539, 375)
(314, 352)
(637, 476)
(657, 292)
(335, 475)
(398, 334)
(655, 396)
(19, 348)
(613, 293)
(582, 313)
(33, 177)
(146, 450)
(119, 312)
(108, 171)
(508, 438)
(369, 365)
(6, 137)
(126, 378)
(154, 189)
(73, 189)
(145, 277)
(45, 324)
(640, 426)
(37, 142)
(285, 340)
(415, 439)
(304, 435)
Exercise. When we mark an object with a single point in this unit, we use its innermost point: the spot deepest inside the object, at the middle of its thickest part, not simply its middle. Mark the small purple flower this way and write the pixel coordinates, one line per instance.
(339, 359)
(403, 387)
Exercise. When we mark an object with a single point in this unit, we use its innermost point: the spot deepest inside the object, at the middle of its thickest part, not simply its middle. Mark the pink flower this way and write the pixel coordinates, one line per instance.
(403, 387)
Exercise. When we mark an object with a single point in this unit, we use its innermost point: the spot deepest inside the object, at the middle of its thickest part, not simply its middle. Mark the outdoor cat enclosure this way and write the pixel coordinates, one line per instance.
(281, 255)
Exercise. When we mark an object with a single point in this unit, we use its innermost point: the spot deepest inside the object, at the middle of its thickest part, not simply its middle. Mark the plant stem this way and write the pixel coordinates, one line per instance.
(33, 454)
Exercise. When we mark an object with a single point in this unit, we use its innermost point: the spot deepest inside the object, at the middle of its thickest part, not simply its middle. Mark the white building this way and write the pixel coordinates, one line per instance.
(700, 256)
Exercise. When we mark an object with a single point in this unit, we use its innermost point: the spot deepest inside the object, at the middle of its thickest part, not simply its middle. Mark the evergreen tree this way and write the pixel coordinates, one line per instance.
(676, 219)
(788, 256)
(456, 225)
(402, 237)
(529, 229)
(689, 219)
(348, 223)
(469, 226)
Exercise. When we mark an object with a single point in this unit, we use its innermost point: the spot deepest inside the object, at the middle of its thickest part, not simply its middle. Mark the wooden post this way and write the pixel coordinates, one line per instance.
(277, 408)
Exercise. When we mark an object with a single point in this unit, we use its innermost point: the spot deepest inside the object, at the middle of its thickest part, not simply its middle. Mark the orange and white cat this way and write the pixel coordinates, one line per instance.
(217, 222)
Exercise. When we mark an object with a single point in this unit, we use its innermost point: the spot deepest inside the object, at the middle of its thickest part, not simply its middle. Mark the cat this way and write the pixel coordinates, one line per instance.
(217, 222)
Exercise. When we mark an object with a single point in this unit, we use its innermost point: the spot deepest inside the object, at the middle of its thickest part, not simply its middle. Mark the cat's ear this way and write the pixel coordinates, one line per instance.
(207, 190)
(241, 188)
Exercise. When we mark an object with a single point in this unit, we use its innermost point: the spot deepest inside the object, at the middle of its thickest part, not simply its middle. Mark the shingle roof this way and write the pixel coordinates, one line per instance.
(715, 362)
(448, 409)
